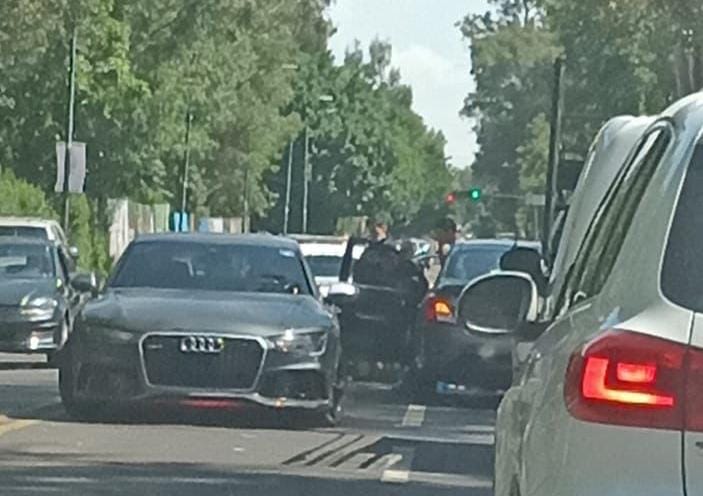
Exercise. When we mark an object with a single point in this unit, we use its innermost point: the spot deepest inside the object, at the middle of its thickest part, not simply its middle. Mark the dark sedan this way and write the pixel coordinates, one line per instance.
(38, 300)
(205, 321)
(449, 359)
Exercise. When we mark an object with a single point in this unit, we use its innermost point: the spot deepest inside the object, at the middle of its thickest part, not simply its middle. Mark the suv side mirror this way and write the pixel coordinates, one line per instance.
(85, 283)
(498, 303)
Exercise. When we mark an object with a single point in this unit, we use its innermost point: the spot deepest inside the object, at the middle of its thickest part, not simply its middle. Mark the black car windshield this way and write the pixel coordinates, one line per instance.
(324, 265)
(24, 232)
(212, 267)
(26, 261)
(465, 264)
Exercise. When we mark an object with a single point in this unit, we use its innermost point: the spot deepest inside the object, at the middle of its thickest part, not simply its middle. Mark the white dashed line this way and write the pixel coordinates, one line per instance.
(395, 476)
(414, 416)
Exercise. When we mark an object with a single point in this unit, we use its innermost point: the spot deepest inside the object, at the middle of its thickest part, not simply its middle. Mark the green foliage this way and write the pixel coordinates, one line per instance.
(143, 66)
(85, 233)
(622, 57)
(20, 198)
(370, 153)
(533, 156)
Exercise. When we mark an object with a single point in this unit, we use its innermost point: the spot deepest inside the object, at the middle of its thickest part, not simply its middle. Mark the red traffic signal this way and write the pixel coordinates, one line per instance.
(450, 198)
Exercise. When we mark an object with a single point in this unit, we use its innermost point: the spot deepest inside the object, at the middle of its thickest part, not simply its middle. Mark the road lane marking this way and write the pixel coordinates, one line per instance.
(399, 466)
(468, 439)
(9, 425)
(395, 476)
(452, 480)
(414, 416)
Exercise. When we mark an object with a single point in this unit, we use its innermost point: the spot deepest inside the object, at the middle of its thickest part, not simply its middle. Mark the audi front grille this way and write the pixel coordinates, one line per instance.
(178, 361)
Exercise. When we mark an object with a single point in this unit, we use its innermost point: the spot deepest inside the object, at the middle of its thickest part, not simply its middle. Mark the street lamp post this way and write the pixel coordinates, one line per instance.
(186, 166)
(306, 177)
(69, 131)
(307, 169)
(286, 212)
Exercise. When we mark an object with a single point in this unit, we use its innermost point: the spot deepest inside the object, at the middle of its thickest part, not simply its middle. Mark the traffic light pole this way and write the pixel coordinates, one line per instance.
(554, 148)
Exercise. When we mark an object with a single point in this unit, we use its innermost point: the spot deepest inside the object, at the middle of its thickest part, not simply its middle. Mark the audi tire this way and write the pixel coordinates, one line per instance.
(75, 408)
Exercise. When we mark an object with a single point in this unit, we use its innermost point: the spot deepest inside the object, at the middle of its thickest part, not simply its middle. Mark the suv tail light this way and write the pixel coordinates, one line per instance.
(631, 379)
(439, 309)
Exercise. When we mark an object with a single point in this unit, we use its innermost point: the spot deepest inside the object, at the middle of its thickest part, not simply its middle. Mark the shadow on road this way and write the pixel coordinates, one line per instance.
(24, 365)
(30, 475)
(245, 417)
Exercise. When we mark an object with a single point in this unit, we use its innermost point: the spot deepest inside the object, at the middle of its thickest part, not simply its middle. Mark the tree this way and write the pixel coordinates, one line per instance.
(512, 56)
(370, 153)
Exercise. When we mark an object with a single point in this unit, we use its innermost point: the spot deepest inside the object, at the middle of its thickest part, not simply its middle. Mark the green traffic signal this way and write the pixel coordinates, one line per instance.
(475, 194)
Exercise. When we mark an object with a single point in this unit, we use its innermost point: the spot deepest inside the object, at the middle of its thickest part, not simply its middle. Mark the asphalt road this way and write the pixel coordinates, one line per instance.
(385, 446)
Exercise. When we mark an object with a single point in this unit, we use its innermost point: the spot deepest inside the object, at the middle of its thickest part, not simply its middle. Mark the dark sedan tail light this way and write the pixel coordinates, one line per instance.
(439, 309)
(631, 379)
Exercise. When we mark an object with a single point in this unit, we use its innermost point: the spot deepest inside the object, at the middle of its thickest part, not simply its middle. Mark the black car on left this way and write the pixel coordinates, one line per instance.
(39, 298)
(206, 321)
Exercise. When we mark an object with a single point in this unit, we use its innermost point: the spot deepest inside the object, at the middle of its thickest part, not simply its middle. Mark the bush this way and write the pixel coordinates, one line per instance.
(86, 234)
(20, 198)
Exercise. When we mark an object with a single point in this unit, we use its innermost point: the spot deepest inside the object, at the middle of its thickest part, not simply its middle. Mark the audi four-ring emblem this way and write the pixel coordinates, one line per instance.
(202, 344)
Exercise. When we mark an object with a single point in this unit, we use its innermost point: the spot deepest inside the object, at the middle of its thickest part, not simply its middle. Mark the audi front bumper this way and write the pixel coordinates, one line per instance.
(130, 373)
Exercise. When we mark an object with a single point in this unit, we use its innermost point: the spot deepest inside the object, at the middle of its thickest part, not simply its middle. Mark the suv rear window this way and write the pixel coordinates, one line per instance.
(682, 273)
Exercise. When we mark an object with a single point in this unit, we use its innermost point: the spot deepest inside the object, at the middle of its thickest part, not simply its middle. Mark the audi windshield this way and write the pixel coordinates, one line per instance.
(211, 267)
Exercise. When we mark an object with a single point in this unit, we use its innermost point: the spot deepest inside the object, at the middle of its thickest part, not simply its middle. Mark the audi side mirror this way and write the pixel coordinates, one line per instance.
(86, 283)
(498, 303)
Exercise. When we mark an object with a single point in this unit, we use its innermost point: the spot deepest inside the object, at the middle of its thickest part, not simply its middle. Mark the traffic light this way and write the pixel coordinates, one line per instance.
(475, 194)
(450, 198)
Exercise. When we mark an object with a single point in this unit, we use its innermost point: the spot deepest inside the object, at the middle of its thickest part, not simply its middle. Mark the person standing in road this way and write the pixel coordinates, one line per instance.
(379, 232)
(445, 235)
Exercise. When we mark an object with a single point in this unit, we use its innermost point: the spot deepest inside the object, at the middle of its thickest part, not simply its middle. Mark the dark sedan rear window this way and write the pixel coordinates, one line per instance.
(324, 265)
(213, 267)
(466, 264)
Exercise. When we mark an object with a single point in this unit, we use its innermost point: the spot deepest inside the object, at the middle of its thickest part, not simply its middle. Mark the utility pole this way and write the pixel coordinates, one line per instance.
(246, 222)
(186, 167)
(289, 173)
(306, 178)
(554, 151)
(69, 130)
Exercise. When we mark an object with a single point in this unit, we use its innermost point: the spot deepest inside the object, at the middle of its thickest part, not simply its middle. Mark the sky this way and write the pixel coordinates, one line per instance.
(429, 51)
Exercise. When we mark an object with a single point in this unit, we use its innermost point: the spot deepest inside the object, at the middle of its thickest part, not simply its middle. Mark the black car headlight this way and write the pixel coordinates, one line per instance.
(311, 342)
(39, 308)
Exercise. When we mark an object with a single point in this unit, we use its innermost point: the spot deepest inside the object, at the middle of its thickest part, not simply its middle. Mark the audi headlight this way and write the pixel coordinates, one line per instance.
(40, 308)
(301, 341)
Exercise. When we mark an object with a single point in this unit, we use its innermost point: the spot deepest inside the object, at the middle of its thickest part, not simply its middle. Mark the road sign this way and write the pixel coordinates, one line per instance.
(76, 177)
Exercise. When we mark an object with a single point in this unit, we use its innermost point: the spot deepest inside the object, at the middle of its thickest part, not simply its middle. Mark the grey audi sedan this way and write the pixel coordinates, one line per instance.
(206, 321)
